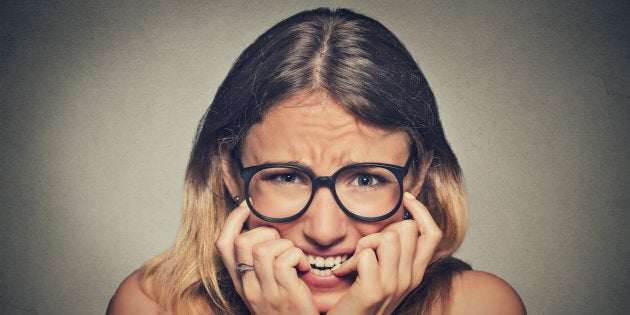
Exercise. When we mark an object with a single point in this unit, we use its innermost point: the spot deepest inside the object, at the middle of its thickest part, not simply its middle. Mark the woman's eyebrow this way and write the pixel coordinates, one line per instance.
(309, 167)
(299, 164)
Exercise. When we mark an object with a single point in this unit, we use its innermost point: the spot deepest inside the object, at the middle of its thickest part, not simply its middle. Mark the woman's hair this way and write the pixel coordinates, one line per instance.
(363, 66)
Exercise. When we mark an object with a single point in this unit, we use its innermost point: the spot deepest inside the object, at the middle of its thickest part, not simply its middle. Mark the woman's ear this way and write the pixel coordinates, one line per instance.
(420, 173)
(231, 174)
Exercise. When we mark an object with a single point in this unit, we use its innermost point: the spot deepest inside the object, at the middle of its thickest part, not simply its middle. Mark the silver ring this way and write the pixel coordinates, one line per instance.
(242, 268)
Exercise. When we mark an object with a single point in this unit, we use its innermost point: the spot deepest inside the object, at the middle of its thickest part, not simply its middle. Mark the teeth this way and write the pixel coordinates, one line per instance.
(319, 261)
(328, 262)
(321, 273)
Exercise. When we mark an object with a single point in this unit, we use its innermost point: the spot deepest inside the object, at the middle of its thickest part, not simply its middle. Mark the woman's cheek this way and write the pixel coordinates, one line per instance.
(367, 228)
(254, 222)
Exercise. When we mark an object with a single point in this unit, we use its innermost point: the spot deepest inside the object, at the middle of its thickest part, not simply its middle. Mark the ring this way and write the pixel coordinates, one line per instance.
(242, 268)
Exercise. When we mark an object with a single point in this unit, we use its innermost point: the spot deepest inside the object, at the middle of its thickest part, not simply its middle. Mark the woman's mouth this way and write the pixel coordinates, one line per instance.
(321, 266)
(320, 278)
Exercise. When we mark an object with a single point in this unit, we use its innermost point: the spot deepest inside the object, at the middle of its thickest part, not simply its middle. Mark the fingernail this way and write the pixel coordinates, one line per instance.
(335, 267)
(408, 195)
(245, 202)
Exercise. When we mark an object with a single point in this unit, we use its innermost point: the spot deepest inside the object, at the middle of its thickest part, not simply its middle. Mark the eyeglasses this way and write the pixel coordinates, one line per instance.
(364, 191)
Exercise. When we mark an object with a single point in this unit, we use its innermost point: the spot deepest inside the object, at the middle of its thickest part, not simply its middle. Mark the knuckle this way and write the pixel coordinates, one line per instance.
(434, 234)
(273, 232)
(390, 236)
(220, 245)
(278, 266)
(242, 243)
(286, 243)
(410, 283)
(362, 243)
(261, 251)
(408, 226)
(276, 234)
(389, 287)
(407, 285)
(366, 255)
(437, 234)
(294, 252)
(394, 226)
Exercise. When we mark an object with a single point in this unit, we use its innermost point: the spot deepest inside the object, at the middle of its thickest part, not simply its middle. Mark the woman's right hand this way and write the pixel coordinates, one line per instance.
(273, 287)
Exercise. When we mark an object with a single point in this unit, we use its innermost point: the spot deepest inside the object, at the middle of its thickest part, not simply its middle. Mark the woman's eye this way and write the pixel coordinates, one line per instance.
(287, 178)
(365, 180)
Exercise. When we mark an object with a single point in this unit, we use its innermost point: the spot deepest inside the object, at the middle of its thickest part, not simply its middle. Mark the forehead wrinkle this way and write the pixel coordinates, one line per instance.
(315, 140)
(307, 107)
(334, 127)
(321, 156)
(319, 132)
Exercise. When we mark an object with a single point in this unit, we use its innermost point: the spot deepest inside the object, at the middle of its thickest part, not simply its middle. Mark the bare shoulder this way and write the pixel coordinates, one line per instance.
(477, 292)
(130, 298)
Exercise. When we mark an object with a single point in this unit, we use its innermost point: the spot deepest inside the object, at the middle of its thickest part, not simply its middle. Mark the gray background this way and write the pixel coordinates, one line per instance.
(100, 102)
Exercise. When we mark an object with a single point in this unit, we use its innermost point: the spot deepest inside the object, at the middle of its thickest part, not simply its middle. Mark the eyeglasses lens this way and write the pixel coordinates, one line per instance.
(368, 191)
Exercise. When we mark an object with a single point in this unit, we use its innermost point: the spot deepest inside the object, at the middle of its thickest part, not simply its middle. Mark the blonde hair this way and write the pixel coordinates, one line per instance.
(336, 52)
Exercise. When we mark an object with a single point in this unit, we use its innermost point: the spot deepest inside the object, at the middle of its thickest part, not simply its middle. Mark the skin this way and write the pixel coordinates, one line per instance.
(390, 256)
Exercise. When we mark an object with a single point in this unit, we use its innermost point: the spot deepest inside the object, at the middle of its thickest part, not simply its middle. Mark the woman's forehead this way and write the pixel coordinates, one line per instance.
(318, 111)
(316, 128)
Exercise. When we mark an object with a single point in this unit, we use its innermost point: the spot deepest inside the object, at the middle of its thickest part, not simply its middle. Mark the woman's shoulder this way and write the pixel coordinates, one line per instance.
(478, 292)
(131, 298)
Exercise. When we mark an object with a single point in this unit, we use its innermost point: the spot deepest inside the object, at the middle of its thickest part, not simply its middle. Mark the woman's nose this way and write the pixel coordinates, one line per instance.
(326, 224)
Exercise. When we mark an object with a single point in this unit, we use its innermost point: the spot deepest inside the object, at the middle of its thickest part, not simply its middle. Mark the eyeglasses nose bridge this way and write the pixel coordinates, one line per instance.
(327, 181)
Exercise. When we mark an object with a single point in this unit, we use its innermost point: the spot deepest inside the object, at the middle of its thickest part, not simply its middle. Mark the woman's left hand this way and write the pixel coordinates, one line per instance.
(389, 264)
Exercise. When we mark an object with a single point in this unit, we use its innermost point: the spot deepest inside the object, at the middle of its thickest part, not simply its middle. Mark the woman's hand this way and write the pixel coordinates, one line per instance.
(273, 287)
(389, 264)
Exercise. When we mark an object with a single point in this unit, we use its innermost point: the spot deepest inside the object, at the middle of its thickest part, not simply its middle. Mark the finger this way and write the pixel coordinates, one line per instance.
(365, 291)
(243, 245)
(245, 242)
(408, 233)
(430, 233)
(388, 256)
(231, 229)
(225, 241)
(386, 244)
(367, 266)
(347, 267)
(264, 255)
(287, 265)
(350, 265)
(369, 242)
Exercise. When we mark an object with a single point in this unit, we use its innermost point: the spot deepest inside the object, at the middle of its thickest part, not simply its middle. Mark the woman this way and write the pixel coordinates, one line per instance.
(320, 182)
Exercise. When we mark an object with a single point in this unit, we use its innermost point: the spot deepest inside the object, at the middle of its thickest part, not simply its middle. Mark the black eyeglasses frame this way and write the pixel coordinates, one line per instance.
(324, 181)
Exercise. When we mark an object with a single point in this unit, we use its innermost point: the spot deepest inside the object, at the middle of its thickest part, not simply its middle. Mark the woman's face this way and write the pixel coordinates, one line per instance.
(317, 132)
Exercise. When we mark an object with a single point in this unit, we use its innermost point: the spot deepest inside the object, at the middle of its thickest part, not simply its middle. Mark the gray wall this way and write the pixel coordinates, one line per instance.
(100, 103)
